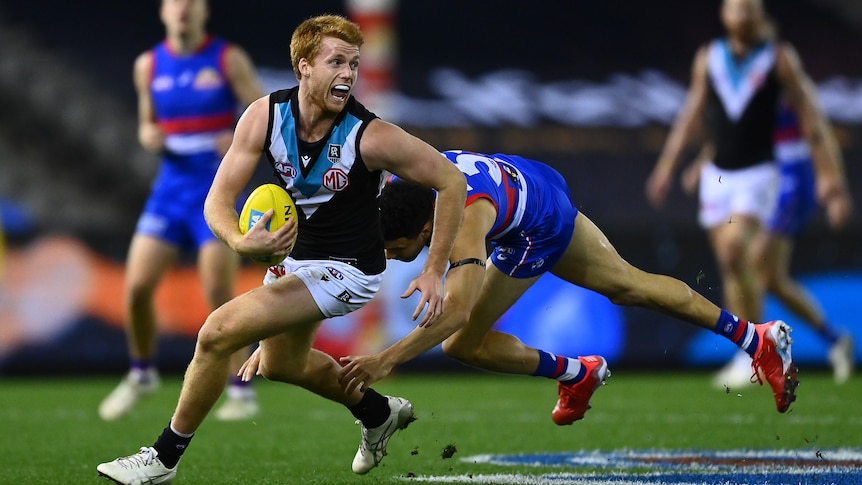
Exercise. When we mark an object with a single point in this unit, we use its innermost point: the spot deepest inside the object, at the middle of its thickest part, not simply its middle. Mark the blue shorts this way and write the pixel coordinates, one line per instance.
(546, 230)
(174, 211)
(796, 200)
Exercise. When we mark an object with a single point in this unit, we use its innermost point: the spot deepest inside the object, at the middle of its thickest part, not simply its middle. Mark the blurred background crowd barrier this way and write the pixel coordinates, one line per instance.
(588, 87)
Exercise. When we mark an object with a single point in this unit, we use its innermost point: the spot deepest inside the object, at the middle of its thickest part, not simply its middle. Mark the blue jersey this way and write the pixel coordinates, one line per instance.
(193, 101)
(192, 97)
(796, 200)
(535, 215)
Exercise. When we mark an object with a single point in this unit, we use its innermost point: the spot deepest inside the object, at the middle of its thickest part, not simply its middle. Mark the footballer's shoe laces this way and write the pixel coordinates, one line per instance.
(372, 449)
(772, 361)
(575, 397)
(142, 468)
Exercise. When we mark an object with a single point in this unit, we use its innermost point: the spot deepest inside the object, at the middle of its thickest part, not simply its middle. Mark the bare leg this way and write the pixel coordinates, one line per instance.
(590, 261)
(289, 357)
(775, 256)
(251, 317)
(148, 260)
(477, 345)
(218, 266)
(733, 245)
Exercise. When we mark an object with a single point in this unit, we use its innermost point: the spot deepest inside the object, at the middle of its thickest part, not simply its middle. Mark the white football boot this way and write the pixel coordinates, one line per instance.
(735, 374)
(142, 468)
(131, 389)
(240, 405)
(841, 359)
(372, 449)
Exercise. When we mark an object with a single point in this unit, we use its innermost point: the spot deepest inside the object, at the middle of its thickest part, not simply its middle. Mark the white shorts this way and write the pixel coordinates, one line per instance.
(337, 288)
(751, 191)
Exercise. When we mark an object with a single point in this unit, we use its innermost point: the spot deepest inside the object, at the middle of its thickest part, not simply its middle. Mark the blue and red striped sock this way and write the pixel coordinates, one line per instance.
(741, 332)
(559, 368)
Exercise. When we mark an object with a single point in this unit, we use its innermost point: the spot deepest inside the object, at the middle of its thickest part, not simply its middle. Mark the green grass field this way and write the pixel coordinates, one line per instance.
(52, 433)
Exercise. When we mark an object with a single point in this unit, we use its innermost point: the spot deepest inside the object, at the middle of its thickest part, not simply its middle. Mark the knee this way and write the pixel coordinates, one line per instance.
(278, 373)
(731, 256)
(215, 338)
(218, 292)
(284, 371)
(139, 294)
(460, 350)
(272, 373)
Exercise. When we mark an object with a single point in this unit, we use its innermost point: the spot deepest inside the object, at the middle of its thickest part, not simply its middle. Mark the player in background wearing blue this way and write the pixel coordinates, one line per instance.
(523, 210)
(331, 154)
(190, 89)
(736, 87)
(797, 203)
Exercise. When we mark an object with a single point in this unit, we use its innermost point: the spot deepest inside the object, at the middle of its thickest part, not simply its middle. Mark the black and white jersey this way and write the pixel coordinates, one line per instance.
(335, 194)
(742, 104)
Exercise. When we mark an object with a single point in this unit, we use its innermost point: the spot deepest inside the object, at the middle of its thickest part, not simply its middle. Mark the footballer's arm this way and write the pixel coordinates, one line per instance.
(385, 146)
(463, 284)
(234, 173)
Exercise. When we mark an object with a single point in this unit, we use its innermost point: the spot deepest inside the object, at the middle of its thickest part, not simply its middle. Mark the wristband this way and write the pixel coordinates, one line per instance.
(467, 261)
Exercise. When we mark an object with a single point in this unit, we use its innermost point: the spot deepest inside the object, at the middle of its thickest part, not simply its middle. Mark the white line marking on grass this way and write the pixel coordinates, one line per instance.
(550, 479)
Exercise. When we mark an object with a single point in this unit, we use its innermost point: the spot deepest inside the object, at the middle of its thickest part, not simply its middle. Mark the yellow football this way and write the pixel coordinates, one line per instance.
(262, 199)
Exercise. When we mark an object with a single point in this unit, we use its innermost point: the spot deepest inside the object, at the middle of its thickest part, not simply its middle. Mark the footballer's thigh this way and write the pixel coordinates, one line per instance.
(284, 357)
(477, 344)
(148, 259)
(218, 265)
(260, 313)
(499, 292)
(592, 262)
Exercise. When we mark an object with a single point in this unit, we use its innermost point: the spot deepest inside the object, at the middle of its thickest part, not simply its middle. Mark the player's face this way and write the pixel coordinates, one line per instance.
(182, 17)
(742, 18)
(404, 249)
(332, 75)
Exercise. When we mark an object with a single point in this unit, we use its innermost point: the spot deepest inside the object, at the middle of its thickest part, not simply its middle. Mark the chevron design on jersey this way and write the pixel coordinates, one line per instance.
(736, 81)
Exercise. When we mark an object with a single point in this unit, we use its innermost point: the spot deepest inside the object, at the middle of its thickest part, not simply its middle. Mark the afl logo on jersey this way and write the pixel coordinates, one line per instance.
(513, 176)
(335, 273)
(285, 169)
(207, 78)
(335, 179)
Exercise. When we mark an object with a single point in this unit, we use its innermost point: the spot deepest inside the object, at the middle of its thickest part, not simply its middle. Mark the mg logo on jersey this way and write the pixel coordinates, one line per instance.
(334, 153)
(335, 179)
(538, 263)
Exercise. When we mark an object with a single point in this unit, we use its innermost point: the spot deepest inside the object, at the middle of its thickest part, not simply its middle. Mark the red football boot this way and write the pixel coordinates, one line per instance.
(772, 362)
(575, 398)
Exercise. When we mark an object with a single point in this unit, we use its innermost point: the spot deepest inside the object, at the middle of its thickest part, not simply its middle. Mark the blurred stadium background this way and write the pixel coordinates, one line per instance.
(589, 87)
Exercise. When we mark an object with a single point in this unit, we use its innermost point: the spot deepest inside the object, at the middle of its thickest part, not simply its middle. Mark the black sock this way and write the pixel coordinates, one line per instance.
(170, 447)
(373, 410)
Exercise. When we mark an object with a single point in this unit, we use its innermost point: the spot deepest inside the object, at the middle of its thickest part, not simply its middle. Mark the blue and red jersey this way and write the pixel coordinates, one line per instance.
(193, 102)
(535, 215)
